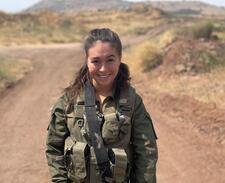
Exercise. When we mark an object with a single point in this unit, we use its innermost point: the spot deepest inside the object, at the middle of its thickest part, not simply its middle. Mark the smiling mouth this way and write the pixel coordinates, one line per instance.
(104, 76)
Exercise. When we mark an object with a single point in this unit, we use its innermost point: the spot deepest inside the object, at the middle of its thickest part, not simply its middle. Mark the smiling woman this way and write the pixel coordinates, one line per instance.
(100, 131)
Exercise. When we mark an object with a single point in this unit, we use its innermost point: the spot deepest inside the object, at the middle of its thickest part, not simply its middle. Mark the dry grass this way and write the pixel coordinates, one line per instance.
(49, 27)
(208, 87)
(143, 56)
(11, 71)
(166, 38)
(220, 35)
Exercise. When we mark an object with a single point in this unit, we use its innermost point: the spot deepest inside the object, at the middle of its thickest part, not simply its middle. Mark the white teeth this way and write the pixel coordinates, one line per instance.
(103, 76)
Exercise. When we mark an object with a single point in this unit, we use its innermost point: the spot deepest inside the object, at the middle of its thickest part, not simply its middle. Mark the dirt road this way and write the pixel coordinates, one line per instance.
(184, 155)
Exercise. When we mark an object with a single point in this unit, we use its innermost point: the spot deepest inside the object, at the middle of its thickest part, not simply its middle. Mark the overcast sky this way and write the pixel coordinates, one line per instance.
(18, 5)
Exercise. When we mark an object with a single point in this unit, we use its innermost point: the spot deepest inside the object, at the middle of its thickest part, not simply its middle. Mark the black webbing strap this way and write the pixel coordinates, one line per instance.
(100, 150)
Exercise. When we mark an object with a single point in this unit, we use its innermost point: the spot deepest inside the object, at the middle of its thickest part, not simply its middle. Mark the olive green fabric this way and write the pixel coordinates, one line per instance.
(136, 137)
(144, 147)
(57, 133)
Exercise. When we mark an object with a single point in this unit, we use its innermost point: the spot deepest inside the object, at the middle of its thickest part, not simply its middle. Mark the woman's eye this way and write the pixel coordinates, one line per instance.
(94, 61)
(110, 60)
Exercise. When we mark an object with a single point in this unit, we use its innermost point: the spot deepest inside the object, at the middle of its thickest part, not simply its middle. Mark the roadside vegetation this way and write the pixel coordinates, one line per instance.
(191, 48)
(51, 27)
(186, 61)
(11, 71)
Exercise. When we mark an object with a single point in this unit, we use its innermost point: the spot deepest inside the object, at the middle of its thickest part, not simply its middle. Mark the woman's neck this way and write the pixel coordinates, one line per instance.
(102, 92)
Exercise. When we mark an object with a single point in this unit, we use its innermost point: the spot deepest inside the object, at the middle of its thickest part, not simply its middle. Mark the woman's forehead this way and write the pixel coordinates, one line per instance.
(101, 48)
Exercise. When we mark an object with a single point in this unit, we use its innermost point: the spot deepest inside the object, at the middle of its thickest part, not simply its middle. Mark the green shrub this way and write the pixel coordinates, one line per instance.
(3, 75)
(211, 61)
(138, 30)
(6, 78)
(150, 56)
(203, 31)
(139, 8)
(66, 24)
(186, 12)
(153, 63)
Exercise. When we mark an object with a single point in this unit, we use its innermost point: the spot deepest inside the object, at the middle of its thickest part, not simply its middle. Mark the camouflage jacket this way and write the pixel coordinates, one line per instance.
(141, 140)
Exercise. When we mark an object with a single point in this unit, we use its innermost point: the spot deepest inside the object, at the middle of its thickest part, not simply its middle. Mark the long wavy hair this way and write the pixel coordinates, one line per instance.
(122, 79)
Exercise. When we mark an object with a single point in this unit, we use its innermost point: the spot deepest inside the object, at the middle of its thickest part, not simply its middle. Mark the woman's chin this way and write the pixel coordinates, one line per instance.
(105, 84)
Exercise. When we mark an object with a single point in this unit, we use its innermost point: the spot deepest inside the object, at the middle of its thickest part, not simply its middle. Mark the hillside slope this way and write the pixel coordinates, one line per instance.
(78, 5)
(175, 7)
(188, 7)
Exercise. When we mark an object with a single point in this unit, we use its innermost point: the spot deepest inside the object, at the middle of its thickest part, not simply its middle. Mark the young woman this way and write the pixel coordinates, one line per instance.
(118, 142)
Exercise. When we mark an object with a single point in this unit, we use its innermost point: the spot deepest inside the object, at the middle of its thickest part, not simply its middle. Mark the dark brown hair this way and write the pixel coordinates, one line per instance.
(123, 77)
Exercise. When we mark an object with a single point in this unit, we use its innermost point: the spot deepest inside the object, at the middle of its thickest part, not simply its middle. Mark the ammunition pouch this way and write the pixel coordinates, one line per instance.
(116, 130)
(75, 161)
(82, 167)
(118, 165)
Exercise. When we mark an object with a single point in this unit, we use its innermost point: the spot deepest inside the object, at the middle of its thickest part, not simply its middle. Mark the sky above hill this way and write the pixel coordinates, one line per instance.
(18, 5)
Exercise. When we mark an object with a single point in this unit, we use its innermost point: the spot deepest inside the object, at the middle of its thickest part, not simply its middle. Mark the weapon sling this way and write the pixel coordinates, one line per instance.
(100, 150)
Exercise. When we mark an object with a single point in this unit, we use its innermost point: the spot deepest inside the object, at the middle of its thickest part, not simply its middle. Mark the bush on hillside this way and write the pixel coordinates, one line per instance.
(6, 77)
(2, 74)
(150, 57)
(211, 60)
(203, 31)
(66, 24)
(139, 8)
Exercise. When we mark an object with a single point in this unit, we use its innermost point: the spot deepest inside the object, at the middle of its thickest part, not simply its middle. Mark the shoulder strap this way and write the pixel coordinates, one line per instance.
(100, 150)
(93, 124)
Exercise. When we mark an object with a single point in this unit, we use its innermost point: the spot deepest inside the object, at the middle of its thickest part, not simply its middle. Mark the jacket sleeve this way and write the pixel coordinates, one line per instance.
(144, 147)
(57, 133)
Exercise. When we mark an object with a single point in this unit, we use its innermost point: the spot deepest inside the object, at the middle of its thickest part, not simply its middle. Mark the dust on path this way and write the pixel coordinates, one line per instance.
(184, 156)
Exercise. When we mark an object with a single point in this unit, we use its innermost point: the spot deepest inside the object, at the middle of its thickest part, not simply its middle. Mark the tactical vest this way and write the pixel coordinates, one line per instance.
(116, 132)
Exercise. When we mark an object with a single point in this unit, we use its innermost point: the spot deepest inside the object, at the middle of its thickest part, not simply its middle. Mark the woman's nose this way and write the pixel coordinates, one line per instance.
(102, 67)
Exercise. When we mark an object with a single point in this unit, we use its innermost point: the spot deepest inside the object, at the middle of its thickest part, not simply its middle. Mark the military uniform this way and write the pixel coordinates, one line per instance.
(125, 126)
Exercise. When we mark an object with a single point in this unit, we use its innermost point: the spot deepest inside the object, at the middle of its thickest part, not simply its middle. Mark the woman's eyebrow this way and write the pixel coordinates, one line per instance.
(100, 57)
(111, 55)
(93, 58)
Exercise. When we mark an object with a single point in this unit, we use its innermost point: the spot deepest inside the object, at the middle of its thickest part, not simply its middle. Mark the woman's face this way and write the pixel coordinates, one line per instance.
(103, 63)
